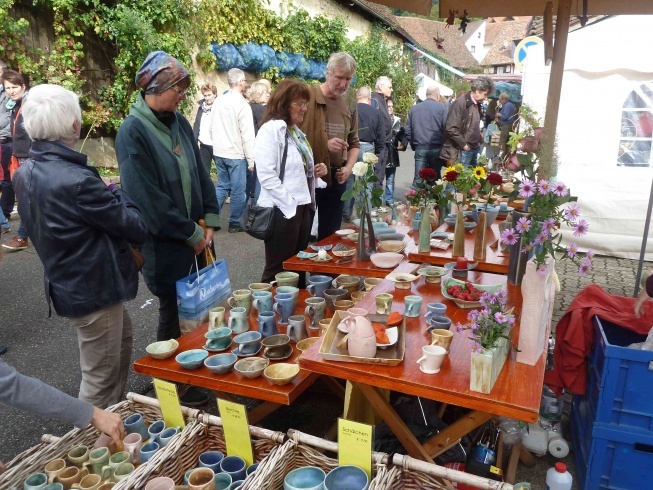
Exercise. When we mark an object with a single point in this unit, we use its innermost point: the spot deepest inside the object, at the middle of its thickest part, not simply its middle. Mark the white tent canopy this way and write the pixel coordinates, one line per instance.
(424, 82)
(605, 64)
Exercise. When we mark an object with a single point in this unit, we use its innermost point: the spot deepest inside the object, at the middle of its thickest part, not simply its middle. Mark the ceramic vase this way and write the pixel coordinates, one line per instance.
(395, 216)
(400, 210)
(424, 244)
(362, 340)
(417, 220)
(487, 365)
(480, 249)
(459, 235)
(366, 229)
(518, 259)
(538, 294)
(410, 214)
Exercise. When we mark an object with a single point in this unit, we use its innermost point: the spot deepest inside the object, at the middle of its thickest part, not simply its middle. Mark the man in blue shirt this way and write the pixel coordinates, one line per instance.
(507, 117)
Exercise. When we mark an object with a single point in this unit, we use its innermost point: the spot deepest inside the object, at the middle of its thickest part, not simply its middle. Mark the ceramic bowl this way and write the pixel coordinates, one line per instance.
(356, 296)
(304, 478)
(371, 282)
(386, 260)
(392, 245)
(432, 274)
(306, 255)
(402, 280)
(345, 232)
(469, 225)
(393, 336)
(450, 281)
(391, 236)
(192, 359)
(317, 248)
(247, 342)
(375, 224)
(162, 349)
(281, 374)
(352, 236)
(349, 477)
(302, 345)
(252, 367)
(380, 232)
(217, 345)
(276, 341)
(218, 333)
(221, 363)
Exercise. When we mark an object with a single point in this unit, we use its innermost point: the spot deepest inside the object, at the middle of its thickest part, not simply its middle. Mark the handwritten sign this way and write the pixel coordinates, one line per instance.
(236, 430)
(169, 401)
(355, 445)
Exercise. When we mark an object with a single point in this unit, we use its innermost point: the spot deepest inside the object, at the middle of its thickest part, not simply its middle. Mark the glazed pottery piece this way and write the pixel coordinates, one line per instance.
(221, 363)
(238, 320)
(362, 340)
(211, 460)
(349, 477)
(432, 358)
(267, 324)
(281, 374)
(315, 310)
(191, 359)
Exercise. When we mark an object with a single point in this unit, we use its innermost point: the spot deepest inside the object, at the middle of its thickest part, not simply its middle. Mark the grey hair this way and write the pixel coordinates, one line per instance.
(257, 91)
(265, 82)
(49, 112)
(382, 81)
(433, 91)
(504, 96)
(342, 60)
(235, 76)
(364, 93)
(483, 84)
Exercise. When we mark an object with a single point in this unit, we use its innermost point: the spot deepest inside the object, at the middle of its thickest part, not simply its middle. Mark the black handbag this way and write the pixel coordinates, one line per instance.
(258, 221)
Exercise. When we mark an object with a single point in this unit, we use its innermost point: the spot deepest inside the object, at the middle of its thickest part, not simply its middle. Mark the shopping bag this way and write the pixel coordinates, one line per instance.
(201, 291)
(491, 128)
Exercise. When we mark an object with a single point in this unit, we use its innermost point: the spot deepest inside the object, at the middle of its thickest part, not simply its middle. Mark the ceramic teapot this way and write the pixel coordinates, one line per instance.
(362, 341)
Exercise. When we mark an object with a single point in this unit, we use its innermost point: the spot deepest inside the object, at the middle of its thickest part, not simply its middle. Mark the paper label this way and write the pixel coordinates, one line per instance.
(236, 430)
(355, 445)
(169, 401)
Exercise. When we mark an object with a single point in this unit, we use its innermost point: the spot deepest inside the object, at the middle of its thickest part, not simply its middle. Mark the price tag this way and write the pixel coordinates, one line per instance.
(355, 445)
(169, 401)
(236, 430)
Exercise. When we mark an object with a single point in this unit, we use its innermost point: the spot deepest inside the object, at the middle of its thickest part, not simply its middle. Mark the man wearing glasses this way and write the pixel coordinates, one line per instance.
(232, 135)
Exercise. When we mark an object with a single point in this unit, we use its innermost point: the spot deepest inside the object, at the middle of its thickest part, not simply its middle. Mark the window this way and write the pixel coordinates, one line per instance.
(636, 135)
(499, 69)
(473, 49)
(479, 35)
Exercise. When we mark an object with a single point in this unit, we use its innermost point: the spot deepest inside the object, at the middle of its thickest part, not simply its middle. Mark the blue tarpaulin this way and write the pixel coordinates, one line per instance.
(513, 90)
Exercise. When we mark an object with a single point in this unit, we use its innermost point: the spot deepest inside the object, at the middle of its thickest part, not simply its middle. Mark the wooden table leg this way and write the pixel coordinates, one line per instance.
(464, 425)
(334, 386)
(396, 425)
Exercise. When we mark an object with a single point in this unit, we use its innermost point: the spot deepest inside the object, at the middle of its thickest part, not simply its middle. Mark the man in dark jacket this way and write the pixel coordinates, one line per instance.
(372, 140)
(382, 91)
(425, 132)
(463, 130)
(507, 117)
(81, 229)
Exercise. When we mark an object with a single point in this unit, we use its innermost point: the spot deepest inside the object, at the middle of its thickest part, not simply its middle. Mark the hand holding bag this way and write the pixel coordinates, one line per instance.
(258, 221)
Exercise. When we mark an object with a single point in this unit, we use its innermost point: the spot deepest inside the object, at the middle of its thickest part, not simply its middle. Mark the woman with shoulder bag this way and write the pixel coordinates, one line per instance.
(287, 174)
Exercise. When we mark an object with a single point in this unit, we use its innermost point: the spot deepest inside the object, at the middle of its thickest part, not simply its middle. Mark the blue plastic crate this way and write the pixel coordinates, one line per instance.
(609, 458)
(620, 380)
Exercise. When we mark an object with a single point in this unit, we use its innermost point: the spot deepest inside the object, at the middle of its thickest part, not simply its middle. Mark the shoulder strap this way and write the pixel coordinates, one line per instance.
(282, 171)
(13, 134)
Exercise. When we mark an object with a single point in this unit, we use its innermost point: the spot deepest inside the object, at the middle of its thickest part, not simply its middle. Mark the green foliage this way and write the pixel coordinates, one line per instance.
(317, 38)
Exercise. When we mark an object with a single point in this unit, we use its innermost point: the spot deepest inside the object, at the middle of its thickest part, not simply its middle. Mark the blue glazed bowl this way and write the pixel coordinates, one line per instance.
(191, 359)
(221, 363)
(305, 478)
(469, 225)
(218, 333)
(346, 477)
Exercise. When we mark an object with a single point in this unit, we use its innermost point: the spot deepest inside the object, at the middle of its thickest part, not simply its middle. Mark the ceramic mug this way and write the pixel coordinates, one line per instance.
(441, 322)
(148, 450)
(238, 320)
(356, 296)
(318, 284)
(248, 342)
(267, 323)
(435, 309)
(288, 289)
(260, 286)
(58, 486)
(383, 303)
(371, 282)
(286, 278)
(160, 483)
(234, 466)
(296, 328)
(222, 481)
(315, 310)
(216, 317)
(284, 306)
(432, 358)
(412, 306)
(155, 430)
(241, 298)
(167, 435)
(36, 481)
(105, 486)
(211, 460)
(114, 461)
(54, 467)
(331, 295)
(442, 338)
(350, 283)
(132, 444)
(97, 459)
(70, 476)
(262, 301)
(78, 455)
(124, 470)
(343, 304)
(201, 479)
(324, 325)
(89, 482)
(136, 424)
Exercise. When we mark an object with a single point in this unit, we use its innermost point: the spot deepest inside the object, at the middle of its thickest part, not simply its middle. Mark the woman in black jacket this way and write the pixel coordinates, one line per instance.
(202, 126)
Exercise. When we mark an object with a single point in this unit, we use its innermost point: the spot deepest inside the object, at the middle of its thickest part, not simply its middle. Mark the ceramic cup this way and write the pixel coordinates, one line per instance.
(284, 306)
(220, 338)
(211, 460)
(201, 479)
(148, 450)
(267, 323)
(155, 430)
(324, 325)
(104, 486)
(216, 317)
(262, 301)
(371, 282)
(275, 344)
(241, 298)
(288, 289)
(160, 483)
(356, 296)
(296, 328)
(36, 481)
(442, 338)
(383, 303)
(89, 482)
(132, 444)
(136, 424)
(315, 311)
(78, 455)
(412, 306)
(234, 466)
(125, 470)
(251, 469)
(167, 435)
(304, 478)
(435, 309)
(441, 322)
(236, 485)
(54, 467)
(97, 459)
(318, 284)
(286, 278)
(59, 486)
(238, 320)
(70, 476)
(222, 481)
(260, 286)
(350, 283)
(343, 304)
(431, 360)
(331, 295)
(248, 342)
(115, 461)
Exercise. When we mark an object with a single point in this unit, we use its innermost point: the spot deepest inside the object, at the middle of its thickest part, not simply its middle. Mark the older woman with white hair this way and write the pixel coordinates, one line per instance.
(81, 229)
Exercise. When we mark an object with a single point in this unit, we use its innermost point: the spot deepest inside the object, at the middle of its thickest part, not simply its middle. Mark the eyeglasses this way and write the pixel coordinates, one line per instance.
(182, 92)
(301, 105)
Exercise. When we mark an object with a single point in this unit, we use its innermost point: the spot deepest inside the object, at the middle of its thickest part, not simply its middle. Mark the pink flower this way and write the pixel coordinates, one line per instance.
(572, 250)
(581, 228)
(572, 212)
(560, 189)
(472, 191)
(509, 236)
(543, 186)
(459, 328)
(527, 188)
(549, 225)
(590, 254)
(541, 270)
(523, 224)
(500, 317)
(476, 347)
(585, 267)
(541, 238)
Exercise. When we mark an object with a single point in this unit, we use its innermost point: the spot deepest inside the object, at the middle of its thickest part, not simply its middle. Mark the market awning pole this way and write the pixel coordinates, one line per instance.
(642, 252)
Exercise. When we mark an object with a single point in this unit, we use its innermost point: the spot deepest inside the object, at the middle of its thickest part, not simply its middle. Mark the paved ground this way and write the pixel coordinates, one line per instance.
(47, 348)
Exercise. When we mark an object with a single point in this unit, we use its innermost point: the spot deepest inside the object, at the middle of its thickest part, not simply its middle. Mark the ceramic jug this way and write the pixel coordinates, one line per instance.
(362, 341)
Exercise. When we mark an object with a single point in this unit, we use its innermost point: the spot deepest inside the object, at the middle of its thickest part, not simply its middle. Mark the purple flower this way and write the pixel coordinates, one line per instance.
(476, 347)
(541, 270)
(549, 225)
(523, 224)
(585, 267)
(572, 250)
(581, 228)
(509, 236)
(543, 186)
(527, 188)
(589, 254)
(527, 248)
(500, 317)
(572, 212)
(560, 189)
(460, 328)
(542, 238)
(511, 321)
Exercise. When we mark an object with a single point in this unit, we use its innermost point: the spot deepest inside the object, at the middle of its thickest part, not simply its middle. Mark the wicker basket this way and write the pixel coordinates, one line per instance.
(302, 450)
(203, 434)
(51, 447)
